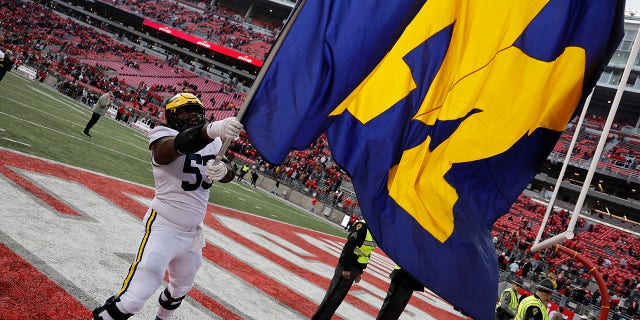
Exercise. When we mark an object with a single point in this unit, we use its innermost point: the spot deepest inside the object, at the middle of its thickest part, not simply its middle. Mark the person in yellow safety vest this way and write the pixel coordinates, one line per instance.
(507, 306)
(353, 260)
(399, 293)
(534, 306)
(243, 171)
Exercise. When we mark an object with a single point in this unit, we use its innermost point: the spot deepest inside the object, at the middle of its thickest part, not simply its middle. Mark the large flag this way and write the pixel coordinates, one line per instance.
(441, 111)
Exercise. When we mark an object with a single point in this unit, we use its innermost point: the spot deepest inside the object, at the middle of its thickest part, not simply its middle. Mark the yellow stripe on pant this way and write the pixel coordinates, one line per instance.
(134, 265)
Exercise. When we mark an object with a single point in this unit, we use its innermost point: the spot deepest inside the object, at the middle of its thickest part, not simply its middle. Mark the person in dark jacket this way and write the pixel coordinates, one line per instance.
(401, 287)
(5, 63)
(353, 260)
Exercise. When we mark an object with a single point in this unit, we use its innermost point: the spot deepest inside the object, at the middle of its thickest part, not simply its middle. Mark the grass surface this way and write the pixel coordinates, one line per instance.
(39, 121)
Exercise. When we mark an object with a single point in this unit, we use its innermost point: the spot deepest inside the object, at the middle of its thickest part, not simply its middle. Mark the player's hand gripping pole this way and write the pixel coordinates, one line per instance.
(227, 129)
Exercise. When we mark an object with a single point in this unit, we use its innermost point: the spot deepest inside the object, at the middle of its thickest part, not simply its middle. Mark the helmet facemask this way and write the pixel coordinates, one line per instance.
(184, 111)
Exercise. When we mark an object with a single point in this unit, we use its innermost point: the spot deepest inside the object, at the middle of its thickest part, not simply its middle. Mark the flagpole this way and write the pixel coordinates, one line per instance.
(267, 63)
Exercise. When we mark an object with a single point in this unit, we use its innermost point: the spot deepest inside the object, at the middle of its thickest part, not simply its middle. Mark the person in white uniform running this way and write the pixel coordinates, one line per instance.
(182, 156)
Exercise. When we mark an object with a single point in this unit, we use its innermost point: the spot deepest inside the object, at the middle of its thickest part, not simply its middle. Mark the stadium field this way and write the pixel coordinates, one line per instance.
(39, 121)
(71, 211)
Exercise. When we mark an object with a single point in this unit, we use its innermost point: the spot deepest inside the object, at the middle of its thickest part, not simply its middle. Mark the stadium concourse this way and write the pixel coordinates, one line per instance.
(43, 251)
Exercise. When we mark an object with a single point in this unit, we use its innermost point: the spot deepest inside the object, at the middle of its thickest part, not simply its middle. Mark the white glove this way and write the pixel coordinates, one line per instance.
(215, 171)
(228, 128)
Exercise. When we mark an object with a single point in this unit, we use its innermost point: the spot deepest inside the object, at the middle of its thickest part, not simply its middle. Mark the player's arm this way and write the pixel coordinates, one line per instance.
(168, 148)
(192, 140)
(164, 151)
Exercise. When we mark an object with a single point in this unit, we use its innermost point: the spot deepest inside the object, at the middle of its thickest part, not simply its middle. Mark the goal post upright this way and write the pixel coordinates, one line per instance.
(537, 245)
(568, 234)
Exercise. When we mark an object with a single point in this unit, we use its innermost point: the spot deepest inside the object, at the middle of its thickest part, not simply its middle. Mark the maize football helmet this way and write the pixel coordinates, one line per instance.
(184, 111)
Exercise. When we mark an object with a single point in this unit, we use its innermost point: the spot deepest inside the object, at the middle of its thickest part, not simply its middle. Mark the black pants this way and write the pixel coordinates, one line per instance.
(92, 121)
(338, 289)
(400, 290)
(502, 315)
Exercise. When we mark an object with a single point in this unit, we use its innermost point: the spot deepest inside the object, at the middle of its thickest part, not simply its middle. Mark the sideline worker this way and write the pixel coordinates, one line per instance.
(534, 306)
(353, 260)
(507, 307)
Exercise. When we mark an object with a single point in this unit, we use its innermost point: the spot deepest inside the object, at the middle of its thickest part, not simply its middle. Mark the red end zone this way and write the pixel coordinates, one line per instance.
(290, 267)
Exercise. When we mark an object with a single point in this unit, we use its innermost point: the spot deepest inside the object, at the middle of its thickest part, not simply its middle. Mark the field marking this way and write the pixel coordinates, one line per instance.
(30, 85)
(15, 141)
(78, 125)
(95, 199)
(63, 103)
(76, 106)
(74, 137)
(285, 205)
(286, 208)
(253, 190)
(42, 111)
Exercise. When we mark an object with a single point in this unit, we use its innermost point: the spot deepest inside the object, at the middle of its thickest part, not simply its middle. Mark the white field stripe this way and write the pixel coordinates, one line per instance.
(81, 125)
(75, 167)
(239, 296)
(70, 103)
(74, 106)
(87, 254)
(85, 251)
(131, 144)
(52, 115)
(18, 142)
(275, 271)
(287, 208)
(222, 186)
(76, 138)
(41, 110)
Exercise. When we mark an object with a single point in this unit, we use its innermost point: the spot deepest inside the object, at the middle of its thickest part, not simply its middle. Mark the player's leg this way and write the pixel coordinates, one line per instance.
(145, 274)
(109, 311)
(182, 273)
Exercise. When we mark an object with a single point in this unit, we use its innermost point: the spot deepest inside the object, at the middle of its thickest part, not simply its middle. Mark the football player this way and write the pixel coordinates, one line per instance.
(182, 156)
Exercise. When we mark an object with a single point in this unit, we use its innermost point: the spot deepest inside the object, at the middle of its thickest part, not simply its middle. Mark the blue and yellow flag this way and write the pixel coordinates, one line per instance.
(441, 111)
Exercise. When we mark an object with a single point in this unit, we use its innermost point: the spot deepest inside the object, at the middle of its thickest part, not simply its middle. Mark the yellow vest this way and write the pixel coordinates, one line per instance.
(531, 301)
(513, 303)
(364, 251)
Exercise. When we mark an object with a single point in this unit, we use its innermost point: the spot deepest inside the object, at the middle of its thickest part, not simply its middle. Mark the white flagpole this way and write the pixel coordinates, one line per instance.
(267, 63)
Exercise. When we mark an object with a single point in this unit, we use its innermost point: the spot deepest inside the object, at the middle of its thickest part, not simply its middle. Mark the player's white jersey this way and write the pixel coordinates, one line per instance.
(179, 195)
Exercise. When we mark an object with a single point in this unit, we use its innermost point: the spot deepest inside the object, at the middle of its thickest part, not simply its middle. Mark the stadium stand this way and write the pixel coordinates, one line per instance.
(223, 26)
(514, 233)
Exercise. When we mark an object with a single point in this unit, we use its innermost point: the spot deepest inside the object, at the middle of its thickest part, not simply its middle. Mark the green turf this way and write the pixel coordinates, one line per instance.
(38, 120)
